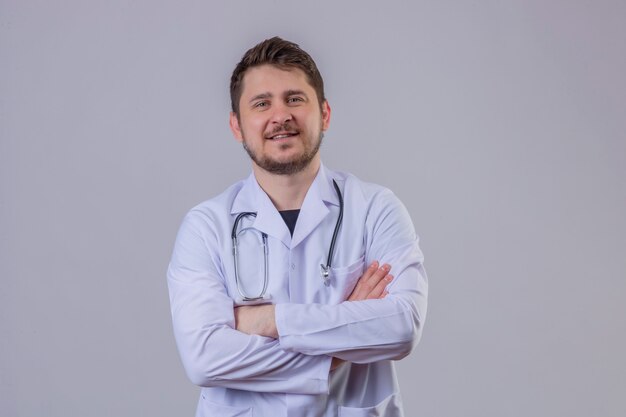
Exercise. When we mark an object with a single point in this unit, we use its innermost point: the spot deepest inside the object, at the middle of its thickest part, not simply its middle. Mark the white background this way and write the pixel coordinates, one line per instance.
(500, 124)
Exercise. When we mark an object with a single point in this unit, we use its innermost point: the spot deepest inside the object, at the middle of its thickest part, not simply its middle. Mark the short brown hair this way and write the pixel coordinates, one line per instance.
(282, 54)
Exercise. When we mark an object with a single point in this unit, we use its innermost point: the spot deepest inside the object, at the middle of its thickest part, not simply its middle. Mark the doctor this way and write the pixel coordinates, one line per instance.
(292, 311)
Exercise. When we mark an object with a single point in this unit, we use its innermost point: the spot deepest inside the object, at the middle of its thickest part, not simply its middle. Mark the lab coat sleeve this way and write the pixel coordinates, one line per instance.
(371, 330)
(213, 353)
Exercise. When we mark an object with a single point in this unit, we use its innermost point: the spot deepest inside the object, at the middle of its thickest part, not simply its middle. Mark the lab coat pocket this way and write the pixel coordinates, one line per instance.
(389, 407)
(210, 409)
(344, 279)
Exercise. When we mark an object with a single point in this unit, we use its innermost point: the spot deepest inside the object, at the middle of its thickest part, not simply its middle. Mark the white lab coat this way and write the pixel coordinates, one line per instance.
(245, 375)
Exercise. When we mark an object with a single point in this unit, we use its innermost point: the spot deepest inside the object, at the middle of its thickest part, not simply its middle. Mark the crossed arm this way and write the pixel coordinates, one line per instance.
(261, 319)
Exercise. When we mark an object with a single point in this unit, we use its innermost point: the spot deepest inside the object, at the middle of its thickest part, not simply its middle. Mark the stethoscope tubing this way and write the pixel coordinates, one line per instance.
(331, 250)
(324, 269)
(244, 297)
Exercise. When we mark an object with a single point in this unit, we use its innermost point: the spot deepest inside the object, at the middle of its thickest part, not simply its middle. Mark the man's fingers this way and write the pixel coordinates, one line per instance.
(358, 289)
(371, 284)
(379, 289)
(376, 278)
(371, 270)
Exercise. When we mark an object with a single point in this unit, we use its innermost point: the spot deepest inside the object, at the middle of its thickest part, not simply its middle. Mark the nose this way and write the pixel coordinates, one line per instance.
(281, 114)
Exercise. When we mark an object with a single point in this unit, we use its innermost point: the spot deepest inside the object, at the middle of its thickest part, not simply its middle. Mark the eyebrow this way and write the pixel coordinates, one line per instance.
(294, 93)
(260, 97)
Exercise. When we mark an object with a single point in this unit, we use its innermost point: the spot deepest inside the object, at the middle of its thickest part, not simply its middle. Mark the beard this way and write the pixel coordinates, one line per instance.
(290, 167)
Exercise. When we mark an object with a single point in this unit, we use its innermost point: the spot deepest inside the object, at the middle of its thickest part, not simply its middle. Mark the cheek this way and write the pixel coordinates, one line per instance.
(313, 122)
(255, 126)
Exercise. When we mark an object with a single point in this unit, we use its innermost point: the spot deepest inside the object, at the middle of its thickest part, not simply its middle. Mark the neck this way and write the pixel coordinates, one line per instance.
(287, 192)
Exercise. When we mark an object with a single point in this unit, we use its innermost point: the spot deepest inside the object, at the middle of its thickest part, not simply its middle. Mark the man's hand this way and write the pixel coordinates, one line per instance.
(370, 286)
(372, 283)
(259, 320)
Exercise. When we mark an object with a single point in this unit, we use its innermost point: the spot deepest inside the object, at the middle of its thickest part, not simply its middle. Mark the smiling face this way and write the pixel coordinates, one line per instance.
(280, 122)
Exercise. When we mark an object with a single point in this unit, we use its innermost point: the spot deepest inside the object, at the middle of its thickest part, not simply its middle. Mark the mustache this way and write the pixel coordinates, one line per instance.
(283, 127)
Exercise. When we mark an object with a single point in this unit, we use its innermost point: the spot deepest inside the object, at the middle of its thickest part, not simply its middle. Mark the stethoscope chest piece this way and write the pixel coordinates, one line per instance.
(325, 273)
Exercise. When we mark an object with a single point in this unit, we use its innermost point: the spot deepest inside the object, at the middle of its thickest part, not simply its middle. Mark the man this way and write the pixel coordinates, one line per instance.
(282, 301)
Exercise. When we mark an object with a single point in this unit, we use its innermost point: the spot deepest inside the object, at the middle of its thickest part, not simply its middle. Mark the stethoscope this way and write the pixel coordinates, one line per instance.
(263, 297)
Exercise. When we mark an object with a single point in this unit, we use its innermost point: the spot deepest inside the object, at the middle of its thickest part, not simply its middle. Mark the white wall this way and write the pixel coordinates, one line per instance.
(501, 125)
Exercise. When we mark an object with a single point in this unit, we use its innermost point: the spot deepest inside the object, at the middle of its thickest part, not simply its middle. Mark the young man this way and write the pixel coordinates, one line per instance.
(282, 301)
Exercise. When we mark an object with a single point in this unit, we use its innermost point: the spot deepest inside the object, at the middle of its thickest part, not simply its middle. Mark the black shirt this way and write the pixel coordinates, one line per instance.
(290, 217)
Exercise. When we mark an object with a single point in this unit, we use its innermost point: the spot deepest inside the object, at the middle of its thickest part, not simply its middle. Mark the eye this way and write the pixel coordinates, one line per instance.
(295, 99)
(260, 104)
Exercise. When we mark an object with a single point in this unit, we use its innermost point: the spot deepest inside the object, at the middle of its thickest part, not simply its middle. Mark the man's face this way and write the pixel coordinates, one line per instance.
(280, 121)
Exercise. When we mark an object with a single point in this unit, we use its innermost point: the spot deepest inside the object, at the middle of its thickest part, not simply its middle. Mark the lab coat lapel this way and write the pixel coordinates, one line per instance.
(252, 198)
(314, 208)
(268, 220)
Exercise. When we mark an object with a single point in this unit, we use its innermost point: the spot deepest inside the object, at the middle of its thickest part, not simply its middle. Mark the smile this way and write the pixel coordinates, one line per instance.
(282, 135)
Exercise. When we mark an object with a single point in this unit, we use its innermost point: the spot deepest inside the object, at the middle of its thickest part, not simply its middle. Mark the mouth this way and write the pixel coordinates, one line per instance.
(281, 135)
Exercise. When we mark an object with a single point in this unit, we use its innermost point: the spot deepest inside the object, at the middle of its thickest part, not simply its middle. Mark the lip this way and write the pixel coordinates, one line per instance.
(281, 135)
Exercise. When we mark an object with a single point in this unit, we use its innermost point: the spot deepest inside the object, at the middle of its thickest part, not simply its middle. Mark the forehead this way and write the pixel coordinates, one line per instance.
(271, 79)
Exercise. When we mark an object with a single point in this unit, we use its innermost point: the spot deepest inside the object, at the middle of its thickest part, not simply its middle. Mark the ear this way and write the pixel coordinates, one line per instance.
(325, 115)
(234, 127)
